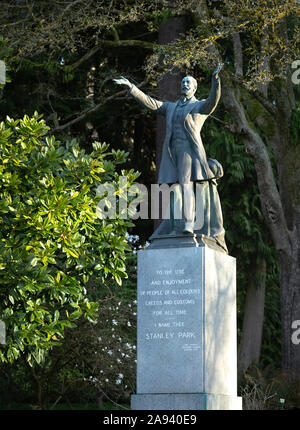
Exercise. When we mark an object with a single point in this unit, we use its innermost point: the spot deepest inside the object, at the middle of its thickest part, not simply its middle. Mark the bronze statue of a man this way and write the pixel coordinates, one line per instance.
(184, 158)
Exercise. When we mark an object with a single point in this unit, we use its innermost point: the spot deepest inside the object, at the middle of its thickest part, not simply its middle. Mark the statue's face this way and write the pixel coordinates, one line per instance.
(188, 87)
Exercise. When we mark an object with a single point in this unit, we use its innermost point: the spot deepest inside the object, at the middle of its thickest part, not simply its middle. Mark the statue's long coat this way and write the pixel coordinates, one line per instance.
(195, 113)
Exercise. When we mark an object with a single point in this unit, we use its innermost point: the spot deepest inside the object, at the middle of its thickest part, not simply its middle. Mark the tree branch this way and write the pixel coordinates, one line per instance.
(137, 43)
(115, 44)
(238, 54)
(71, 4)
(94, 109)
(263, 66)
(265, 103)
(227, 125)
(86, 57)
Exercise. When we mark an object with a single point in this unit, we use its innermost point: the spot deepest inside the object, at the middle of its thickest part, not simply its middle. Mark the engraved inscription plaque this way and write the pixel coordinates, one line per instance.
(170, 314)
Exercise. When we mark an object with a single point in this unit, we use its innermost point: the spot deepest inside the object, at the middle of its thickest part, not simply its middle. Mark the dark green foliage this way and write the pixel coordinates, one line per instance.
(295, 127)
(271, 347)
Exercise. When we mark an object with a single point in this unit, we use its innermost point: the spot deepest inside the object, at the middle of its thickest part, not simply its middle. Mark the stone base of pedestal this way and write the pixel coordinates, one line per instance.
(185, 402)
(186, 330)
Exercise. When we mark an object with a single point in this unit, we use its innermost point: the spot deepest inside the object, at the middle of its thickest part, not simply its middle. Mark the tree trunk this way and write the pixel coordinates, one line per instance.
(37, 384)
(289, 269)
(250, 344)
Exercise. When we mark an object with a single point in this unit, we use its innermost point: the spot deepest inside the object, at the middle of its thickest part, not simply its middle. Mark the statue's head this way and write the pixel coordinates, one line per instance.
(188, 86)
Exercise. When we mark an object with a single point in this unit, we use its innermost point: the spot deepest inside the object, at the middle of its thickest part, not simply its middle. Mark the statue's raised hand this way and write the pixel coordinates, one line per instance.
(123, 81)
(218, 69)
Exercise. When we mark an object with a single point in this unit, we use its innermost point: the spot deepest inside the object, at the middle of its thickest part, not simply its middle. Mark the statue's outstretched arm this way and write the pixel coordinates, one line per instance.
(146, 101)
(209, 105)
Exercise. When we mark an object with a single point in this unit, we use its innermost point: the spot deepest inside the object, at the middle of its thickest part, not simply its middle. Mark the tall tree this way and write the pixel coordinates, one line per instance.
(267, 131)
(252, 330)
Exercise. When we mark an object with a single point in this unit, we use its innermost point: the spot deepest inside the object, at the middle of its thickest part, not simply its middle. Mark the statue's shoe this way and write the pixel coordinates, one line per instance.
(188, 228)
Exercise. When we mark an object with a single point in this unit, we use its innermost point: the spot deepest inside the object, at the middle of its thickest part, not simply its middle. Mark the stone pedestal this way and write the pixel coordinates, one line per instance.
(186, 338)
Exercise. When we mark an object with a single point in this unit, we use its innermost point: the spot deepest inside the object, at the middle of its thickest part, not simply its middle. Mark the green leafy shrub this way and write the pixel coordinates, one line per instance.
(95, 362)
(52, 239)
